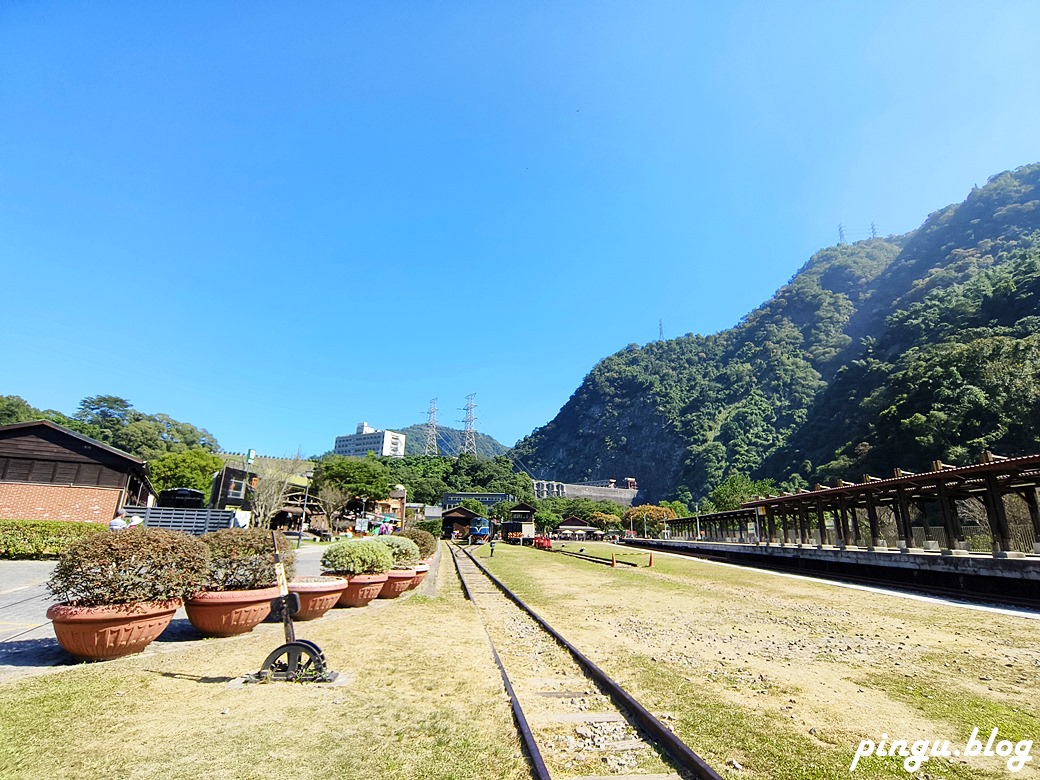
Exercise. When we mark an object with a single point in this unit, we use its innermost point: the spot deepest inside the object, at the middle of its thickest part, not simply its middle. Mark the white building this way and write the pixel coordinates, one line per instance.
(366, 440)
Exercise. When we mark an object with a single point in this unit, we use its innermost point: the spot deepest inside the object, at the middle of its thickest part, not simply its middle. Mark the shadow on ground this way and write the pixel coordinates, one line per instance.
(34, 652)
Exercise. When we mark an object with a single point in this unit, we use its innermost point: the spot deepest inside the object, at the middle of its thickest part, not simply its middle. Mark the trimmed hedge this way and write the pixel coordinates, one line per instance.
(405, 551)
(42, 538)
(361, 556)
(432, 527)
(243, 558)
(426, 541)
(141, 564)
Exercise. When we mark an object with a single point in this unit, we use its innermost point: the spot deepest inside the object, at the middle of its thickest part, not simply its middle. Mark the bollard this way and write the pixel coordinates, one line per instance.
(651, 564)
(613, 561)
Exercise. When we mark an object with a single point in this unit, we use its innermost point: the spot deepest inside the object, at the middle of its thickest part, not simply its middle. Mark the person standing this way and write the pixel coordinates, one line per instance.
(118, 523)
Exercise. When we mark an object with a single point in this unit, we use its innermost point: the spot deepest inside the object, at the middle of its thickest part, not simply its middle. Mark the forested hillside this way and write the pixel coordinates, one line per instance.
(888, 352)
(449, 441)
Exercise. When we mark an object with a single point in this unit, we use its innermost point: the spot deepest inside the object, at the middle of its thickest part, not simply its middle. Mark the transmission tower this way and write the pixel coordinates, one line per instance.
(469, 444)
(841, 234)
(430, 447)
(660, 329)
(873, 230)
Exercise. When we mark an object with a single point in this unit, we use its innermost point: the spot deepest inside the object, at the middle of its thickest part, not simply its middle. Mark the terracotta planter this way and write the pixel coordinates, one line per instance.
(229, 612)
(361, 589)
(397, 582)
(421, 570)
(317, 595)
(103, 633)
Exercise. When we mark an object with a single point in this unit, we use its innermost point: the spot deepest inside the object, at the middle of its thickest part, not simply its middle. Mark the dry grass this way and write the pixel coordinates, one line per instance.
(786, 676)
(782, 676)
(420, 698)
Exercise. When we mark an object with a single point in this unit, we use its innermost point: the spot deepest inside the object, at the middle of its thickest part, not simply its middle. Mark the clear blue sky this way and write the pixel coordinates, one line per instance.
(275, 220)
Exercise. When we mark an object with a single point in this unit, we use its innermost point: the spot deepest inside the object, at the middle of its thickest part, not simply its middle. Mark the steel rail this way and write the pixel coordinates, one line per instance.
(678, 750)
(538, 767)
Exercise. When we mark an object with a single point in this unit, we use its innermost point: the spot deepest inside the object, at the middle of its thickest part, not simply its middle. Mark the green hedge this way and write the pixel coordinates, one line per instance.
(432, 527)
(42, 538)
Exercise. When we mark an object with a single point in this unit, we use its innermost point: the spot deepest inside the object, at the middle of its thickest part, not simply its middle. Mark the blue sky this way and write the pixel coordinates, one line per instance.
(275, 220)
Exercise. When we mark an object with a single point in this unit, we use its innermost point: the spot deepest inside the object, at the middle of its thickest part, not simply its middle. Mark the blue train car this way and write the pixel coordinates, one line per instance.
(479, 530)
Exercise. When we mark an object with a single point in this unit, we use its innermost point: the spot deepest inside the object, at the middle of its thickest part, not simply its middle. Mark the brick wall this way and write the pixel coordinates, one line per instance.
(31, 501)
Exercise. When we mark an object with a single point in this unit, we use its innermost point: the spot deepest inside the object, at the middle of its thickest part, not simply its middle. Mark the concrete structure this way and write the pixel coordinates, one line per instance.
(597, 490)
(973, 575)
(366, 440)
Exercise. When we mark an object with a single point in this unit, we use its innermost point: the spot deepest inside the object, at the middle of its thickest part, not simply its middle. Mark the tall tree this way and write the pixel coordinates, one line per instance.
(15, 409)
(192, 469)
(361, 478)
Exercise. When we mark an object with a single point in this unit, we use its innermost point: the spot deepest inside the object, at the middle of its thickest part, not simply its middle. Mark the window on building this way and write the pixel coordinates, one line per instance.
(237, 488)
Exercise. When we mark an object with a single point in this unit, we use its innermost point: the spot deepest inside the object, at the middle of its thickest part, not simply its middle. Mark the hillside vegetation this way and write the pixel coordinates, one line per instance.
(883, 353)
(449, 441)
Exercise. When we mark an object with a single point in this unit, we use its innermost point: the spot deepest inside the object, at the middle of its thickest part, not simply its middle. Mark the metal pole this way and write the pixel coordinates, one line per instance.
(306, 493)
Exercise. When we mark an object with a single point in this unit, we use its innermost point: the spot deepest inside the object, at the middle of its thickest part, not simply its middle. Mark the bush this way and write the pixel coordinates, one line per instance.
(363, 556)
(243, 558)
(426, 542)
(42, 538)
(405, 551)
(141, 564)
(433, 527)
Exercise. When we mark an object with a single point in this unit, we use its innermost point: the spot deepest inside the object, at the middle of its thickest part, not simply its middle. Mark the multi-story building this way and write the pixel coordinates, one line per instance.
(366, 440)
(449, 500)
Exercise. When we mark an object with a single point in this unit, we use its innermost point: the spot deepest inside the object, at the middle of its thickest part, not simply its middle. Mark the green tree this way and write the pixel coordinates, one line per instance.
(546, 520)
(604, 521)
(501, 510)
(678, 507)
(737, 489)
(191, 469)
(15, 409)
(109, 413)
(647, 518)
(363, 478)
(473, 506)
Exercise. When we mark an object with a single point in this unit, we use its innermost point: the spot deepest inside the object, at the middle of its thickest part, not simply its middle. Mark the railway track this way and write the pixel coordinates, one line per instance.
(575, 722)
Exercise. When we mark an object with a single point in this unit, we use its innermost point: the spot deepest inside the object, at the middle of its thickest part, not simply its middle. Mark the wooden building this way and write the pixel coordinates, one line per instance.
(456, 521)
(577, 528)
(48, 472)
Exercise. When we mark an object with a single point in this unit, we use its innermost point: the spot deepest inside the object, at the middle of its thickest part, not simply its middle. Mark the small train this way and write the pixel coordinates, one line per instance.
(479, 530)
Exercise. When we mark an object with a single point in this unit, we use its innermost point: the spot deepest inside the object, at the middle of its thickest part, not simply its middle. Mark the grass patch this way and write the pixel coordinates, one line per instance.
(765, 743)
(420, 699)
(941, 698)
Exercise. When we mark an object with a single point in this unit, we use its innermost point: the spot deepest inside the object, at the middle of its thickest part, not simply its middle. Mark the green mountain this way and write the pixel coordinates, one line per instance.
(449, 441)
(883, 353)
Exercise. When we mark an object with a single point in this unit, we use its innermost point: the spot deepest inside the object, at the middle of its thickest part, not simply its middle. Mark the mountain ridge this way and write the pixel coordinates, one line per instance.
(790, 392)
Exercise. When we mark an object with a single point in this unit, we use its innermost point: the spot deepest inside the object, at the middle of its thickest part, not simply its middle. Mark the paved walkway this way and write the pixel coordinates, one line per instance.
(27, 643)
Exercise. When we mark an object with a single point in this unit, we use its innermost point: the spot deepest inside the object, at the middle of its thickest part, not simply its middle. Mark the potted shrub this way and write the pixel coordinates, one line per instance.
(118, 591)
(241, 582)
(317, 595)
(426, 542)
(406, 556)
(427, 545)
(364, 563)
